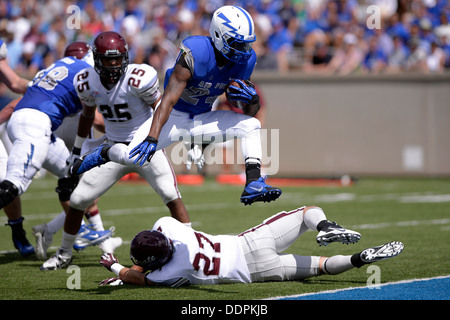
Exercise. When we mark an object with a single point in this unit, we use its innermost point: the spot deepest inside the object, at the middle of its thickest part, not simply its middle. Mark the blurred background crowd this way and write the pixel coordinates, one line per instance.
(310, 36)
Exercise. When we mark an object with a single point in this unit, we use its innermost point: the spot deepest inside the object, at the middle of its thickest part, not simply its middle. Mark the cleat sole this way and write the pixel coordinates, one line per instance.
(265, 197)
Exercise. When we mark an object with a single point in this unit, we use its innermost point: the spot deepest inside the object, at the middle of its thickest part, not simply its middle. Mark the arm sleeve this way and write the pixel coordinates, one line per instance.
(145, 83)
(81, 84)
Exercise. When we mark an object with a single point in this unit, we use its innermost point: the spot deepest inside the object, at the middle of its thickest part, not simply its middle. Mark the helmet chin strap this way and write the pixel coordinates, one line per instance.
(220, 58)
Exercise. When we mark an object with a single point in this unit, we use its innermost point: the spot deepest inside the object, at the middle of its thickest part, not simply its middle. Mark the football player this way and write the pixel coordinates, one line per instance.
(176, 255)
(204, 68)
(13, 210)
(89, 234)
(126, 95)
(31, 126)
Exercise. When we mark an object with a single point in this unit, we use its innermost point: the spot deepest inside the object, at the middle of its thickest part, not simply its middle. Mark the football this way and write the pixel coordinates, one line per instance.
(235, 104)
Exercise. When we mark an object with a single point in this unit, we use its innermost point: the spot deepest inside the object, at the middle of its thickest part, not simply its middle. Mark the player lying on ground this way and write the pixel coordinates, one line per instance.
(177, 255)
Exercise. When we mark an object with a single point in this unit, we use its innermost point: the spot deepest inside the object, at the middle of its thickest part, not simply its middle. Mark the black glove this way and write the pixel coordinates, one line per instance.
(74, 156)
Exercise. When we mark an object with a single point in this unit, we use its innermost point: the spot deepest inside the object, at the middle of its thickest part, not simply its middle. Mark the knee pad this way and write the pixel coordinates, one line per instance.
(8, 191)
(65, 187)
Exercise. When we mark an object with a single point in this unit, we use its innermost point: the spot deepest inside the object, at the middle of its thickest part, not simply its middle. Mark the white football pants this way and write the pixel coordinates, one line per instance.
(214, 126)
(263, 246)
(32, 148)
(95, 182)
(5, 147)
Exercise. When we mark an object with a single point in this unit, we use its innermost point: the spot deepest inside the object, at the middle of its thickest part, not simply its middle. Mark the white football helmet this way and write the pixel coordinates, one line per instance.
(233, 33)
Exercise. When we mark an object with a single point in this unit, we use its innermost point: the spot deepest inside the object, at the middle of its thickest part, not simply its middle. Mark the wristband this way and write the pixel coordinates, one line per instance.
(116, 267)
(151, 140)
(76, 151)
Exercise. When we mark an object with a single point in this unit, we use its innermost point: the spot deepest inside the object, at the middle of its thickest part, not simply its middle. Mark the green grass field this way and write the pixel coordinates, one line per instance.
(414, 211)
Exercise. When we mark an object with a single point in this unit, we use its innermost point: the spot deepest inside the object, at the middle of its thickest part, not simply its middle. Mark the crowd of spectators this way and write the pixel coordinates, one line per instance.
(311, 36)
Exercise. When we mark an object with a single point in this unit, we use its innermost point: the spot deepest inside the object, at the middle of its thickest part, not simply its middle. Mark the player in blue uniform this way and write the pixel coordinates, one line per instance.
(37, 115)
(46, 103)
(204, 68)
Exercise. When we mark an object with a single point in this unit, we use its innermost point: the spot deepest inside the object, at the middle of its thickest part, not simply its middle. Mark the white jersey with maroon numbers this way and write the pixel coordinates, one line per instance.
(212, 259)
(127, 105)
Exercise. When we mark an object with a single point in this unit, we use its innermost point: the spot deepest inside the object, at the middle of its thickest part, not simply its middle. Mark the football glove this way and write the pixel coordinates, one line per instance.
(246, 94)
(107, 260)
(113, 281)
(195, 156)
(74, 156)
(144, 150)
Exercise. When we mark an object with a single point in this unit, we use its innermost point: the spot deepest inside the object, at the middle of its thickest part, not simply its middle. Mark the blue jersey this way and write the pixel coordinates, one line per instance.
(53, 92)
(208, 81)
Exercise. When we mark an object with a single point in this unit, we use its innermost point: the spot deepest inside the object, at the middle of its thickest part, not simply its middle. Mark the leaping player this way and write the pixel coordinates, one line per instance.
(204, 68)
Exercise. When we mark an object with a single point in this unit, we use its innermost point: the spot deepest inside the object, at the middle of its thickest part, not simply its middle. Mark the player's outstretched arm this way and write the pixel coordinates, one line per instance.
(177, 82)
(12, 80)
(133, 275)
(176, 85)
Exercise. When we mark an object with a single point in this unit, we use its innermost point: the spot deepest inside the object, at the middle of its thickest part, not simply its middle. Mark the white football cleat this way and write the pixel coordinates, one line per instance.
(43, 240)
(385, 251)
(57, 261)
(335, 233)
(110, 244)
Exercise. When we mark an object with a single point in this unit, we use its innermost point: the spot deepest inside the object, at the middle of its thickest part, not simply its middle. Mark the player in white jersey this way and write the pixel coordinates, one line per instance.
(125, 94)
(91, 232)
(177, 255)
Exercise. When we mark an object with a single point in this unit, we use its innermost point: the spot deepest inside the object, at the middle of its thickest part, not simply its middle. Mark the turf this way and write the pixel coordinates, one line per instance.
(412, 210)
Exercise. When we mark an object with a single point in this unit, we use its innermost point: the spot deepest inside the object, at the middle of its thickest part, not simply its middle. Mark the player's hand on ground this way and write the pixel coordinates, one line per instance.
(113, 281)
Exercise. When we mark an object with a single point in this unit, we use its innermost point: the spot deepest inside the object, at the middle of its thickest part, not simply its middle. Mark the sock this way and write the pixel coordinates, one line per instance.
(323, 224)
(57, 223)
(95, 219)
(337, 264)
(17, 227)
(252, 170)
(67, 242)
(357, 261)
(313, 218)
